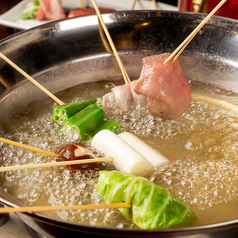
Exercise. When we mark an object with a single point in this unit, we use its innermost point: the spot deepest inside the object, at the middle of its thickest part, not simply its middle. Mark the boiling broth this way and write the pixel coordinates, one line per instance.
(201, 145)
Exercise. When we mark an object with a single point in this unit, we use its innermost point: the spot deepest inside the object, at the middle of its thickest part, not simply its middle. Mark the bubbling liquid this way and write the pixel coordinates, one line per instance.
(201, 146)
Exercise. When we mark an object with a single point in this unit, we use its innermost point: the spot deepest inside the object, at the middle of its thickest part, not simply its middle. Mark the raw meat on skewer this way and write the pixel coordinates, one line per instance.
(167, 90)
(162, 87)
(123, 97)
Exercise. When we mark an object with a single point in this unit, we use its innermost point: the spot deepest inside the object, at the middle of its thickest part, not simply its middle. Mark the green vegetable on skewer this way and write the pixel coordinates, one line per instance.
(153, 206)
(86, 121)
(64, 112)
(111, 125)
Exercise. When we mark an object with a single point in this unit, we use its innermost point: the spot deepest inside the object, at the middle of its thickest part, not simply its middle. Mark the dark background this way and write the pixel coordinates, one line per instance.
(5, 5)
(171, 2)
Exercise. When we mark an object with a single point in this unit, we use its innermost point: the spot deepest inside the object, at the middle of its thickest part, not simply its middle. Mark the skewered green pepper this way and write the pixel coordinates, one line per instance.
(64, 112)
(86, 120)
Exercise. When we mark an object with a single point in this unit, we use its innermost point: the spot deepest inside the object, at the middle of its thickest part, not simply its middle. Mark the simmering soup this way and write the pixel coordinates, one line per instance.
(201, 145)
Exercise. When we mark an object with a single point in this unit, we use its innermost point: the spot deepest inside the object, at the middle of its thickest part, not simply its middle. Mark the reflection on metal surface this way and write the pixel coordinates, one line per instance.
(6, 86)
(4, 82)
(3, 218)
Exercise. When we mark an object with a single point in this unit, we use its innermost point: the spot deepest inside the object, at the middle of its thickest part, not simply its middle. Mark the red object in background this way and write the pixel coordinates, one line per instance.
(228, 9)
(86, 11)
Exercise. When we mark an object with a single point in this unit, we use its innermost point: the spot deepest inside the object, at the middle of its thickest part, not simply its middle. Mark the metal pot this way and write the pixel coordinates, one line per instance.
(65, 53)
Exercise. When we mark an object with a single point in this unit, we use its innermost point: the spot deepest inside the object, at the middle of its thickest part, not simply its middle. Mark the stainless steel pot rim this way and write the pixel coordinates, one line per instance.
(192, 228)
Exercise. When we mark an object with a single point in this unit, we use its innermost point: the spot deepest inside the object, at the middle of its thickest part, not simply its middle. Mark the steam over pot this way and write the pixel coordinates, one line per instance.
(65, 53)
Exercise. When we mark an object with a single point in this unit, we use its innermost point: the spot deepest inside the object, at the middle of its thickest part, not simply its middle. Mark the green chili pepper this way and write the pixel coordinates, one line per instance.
(86, 120)
(64, 112)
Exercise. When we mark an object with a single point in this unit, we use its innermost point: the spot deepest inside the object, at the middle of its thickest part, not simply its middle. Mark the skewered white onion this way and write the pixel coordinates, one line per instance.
(147, 151)
(126, 158)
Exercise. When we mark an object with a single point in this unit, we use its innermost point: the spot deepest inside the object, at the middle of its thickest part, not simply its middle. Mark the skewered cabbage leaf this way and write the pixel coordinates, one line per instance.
(152, 205)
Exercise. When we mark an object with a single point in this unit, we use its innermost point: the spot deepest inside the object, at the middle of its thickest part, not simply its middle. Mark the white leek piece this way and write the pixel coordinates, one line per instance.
(147, 151)
(126, 158)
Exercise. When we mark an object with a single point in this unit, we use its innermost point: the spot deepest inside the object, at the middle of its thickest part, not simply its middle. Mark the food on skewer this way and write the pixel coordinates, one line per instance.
(153, 206)
(150, 154)
(126, 158)
(124, 97)
(162, 87)
(85, 121)
(135, 148)
(64, 112)
(71, 154)
(84, 117)
(50, 10)
(167, 90)
(77, 151)
(108, 125)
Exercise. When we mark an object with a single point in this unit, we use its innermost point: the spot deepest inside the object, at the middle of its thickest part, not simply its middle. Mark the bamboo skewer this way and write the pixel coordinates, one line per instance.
(193, 33)
(31, 79)
(55, 208)
(124, 73)
(44, 165)
(133, 4)
(82, 4)
(28, 147)
(155, 3)
(61, 163)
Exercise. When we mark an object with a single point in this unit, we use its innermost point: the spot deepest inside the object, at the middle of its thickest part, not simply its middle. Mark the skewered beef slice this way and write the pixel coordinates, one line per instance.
(167, 90)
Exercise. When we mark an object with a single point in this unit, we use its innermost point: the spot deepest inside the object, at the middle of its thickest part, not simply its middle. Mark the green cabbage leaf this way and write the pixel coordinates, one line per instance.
(153, 206)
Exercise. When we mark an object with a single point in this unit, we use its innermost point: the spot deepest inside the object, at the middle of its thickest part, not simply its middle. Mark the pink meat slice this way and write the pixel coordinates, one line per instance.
(167, 90)
(50, 10)
(123, 97)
